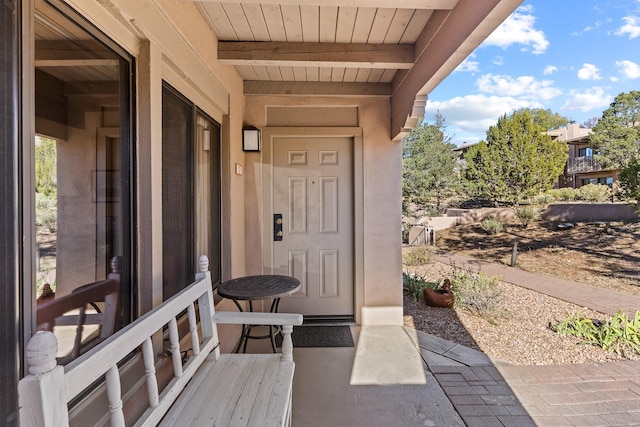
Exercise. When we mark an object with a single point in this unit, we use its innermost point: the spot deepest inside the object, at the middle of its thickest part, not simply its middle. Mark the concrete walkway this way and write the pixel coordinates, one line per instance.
(490, 393)
(599, 299)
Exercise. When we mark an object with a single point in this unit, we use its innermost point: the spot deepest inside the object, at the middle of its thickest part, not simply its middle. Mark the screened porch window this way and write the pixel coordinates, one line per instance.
(190, 191)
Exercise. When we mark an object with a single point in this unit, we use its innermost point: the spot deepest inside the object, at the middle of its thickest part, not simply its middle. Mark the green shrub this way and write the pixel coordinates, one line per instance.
(618, 333)
(46, 212)
(544, 199)
(420, 255)
(526, 214)
(595, 193)
(414, 285)
(493, 225)
(565, 194)
(477, 292)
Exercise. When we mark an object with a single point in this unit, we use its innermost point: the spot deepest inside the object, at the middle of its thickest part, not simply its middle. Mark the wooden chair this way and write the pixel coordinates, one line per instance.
(71, 310)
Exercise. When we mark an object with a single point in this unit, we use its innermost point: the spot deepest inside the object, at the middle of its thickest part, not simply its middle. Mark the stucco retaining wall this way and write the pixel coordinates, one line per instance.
(590, 212)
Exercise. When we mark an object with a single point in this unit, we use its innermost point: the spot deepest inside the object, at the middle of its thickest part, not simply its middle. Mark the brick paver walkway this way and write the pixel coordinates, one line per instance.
(485, 393)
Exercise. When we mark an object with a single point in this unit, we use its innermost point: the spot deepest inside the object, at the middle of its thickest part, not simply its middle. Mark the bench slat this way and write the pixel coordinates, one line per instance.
(249, 383)
(205, 399)
(261, 373)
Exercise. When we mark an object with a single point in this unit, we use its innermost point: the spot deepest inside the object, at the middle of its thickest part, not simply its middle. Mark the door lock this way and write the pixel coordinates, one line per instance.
(277, 227)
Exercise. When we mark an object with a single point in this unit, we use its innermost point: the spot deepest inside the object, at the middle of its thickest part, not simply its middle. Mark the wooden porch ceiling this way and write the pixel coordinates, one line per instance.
(390, 48)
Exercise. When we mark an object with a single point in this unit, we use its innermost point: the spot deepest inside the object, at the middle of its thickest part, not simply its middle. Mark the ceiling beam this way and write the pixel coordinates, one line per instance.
(298, 54)
(260, 87)
(383, 4)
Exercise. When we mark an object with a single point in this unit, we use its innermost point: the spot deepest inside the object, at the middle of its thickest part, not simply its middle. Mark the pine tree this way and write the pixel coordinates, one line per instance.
(616, 137)
(517, 161)
(429, 166)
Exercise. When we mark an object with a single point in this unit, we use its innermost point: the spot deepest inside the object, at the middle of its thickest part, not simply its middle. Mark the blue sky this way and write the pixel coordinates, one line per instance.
(570, 56)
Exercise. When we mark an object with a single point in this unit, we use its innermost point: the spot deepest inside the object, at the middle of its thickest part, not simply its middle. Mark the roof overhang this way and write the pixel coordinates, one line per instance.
(352, 47)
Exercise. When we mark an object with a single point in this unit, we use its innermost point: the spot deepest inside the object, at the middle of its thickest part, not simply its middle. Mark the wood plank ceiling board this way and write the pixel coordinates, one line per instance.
(350, 75)
(362, 27)
(310, 16)
(375, 75)
(363, 75)
(256, 22)
(398, 25)
(409, 4)
(328, 24)
(287, 74)
(313, 74)
(380, 25)
(416, 25)
(292, 23)
(261, 72)
(325, 74)
(387, 76)
(238, 21)
(346, 23)
(275, 73)
(246, 72)
(273, 16)
(299, 74)
(338, 74)
(217, 18)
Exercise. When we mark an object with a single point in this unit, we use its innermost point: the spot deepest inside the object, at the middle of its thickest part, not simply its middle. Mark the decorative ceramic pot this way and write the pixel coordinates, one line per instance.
(439, 297)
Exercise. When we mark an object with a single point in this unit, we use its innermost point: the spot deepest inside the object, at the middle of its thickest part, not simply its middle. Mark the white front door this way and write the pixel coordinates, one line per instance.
(313, 192)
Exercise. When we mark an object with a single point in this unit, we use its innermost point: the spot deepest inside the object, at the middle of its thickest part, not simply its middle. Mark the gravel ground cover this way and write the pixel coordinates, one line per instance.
(518, 333)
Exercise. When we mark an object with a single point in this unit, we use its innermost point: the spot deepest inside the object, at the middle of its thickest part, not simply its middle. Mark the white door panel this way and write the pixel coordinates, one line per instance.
(313, 190)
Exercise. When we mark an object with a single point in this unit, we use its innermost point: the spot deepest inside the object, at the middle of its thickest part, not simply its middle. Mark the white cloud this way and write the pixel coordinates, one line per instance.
(549, 69)
(474, 114)
(519, 29)
(588, 28)
(630, 28)
(589, 72)
(587, 100)
(629, 69)
(526, 87)
(467, 66)
(498, 60)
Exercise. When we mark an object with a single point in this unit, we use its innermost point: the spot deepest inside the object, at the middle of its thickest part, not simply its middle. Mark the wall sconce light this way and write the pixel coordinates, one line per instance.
(206, 139)
(251, 139)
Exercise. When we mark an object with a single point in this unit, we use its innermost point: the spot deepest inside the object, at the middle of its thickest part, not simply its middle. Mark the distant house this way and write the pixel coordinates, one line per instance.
(582, 168)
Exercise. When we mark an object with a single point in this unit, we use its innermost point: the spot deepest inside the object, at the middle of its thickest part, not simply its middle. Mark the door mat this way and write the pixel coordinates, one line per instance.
(320, 336)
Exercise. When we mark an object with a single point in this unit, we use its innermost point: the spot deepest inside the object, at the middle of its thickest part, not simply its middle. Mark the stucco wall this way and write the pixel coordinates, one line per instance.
(591, 212)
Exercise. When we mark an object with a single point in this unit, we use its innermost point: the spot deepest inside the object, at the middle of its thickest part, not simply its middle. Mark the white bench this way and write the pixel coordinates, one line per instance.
(208, 388)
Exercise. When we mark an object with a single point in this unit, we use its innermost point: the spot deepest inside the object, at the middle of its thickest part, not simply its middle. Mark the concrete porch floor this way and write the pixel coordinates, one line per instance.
(380, 382)
(396, 376)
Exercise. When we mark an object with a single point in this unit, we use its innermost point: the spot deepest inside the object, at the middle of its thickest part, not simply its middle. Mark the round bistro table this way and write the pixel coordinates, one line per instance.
(253, 288)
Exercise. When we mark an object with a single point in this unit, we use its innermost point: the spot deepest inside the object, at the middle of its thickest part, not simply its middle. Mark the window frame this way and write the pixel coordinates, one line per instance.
(127, 124)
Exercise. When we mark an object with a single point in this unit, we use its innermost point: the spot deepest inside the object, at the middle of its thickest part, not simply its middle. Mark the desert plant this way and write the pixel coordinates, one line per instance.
(565, 194)
(618, 333)
(414, 284)
(594, 193)
(526, 214)
(420, 255)
(544, 199)
(46, 212)
(492, 225)
(476, 292)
